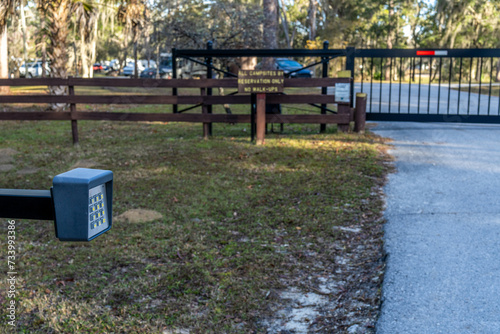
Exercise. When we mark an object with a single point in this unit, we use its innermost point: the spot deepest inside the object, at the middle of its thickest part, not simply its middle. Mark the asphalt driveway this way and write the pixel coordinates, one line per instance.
(443, 229)
(433, 100)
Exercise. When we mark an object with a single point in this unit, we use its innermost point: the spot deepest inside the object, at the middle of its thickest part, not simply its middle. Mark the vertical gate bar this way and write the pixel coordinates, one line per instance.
(409, 83)
(362, 72)
(470, 82)
(390, 83)
(498, 111)
(459, 84)
(371, 83)
(439, 83)
(412, 65)
(480, 81)
(349, 66)
(380, 90)
(400, 74)
(208, 61)
(174, 76)
(419, 84)
(324, 90)
(253, 101)
(430, 81)
(489, 89)
(449, 85)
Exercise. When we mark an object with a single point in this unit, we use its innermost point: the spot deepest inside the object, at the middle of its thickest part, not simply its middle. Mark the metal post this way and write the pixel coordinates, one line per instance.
(174, 76)
(324, 90)
(26, 204)
(208, 61)
(349, 66)
(252, 116)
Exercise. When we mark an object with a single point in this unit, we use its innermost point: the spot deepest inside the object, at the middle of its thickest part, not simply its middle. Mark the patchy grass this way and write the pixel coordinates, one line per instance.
(239, 221)
(485, 89)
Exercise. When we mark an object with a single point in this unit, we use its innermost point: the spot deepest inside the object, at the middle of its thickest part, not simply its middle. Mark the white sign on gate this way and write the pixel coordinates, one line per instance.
(342, 92)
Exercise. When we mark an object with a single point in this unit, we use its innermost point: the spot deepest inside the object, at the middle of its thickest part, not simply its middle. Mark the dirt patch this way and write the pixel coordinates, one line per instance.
(6, 157)
(84, 164)
(27, 170)
(138, 216)
(7, 152)
(6, 168)
(339, 294)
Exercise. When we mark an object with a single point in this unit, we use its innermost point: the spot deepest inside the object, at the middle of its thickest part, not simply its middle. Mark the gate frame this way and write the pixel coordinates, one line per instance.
(426, 53)
(209, 53)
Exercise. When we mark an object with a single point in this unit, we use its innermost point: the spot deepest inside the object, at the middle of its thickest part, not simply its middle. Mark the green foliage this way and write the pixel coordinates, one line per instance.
(237, 24)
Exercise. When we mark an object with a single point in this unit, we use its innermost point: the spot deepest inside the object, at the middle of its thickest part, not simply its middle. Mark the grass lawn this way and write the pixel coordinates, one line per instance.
(485, 89)
(238, 221)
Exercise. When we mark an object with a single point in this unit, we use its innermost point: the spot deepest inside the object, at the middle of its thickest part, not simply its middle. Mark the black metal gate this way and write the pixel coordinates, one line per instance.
(457, 85)
(205, 58)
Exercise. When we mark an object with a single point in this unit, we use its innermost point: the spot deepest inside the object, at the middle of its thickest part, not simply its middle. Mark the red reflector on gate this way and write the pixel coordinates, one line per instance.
(426, 53)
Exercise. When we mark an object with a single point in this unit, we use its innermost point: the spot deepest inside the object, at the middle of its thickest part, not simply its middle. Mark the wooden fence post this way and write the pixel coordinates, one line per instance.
(343, 109)
(204, 110)
(360, 113)
(74, 124)
(261, 119)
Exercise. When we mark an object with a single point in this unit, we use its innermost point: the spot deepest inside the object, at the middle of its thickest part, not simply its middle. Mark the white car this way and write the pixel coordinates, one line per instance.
(34, 70)
(141, 66)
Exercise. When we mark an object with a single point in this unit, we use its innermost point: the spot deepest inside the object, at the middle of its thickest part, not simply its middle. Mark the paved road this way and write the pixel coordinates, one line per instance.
(406, 99)
(443, 229)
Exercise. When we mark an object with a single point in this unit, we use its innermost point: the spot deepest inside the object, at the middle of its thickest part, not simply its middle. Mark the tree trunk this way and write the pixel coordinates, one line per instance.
(44, 44)
(284, 23)
(25, 40)
(58, 15)
(454, 35)
(4, 60)
(270, 34)
(136, 70)
(390, 38)
(93, 47)
(313, 4)
(83, 55)
(415, 25)
(497, 76)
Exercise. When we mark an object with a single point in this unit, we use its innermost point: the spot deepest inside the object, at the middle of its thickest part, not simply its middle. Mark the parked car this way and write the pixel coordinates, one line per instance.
(292, 68)
(128, 70)
(166, 65)
(150, 72)
(97, 67)
(189, 70)
(141, 66)
(34, 70)
(114, 65)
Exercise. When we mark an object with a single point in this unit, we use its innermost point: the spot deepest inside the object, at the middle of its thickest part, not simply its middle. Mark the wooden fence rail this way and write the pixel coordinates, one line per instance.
(343, 117)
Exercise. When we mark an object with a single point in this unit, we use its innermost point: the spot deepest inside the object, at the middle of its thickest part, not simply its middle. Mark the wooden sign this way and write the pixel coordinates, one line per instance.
(260, 81)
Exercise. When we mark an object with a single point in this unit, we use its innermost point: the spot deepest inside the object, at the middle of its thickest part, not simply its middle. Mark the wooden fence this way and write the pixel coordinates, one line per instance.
(342, 117)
